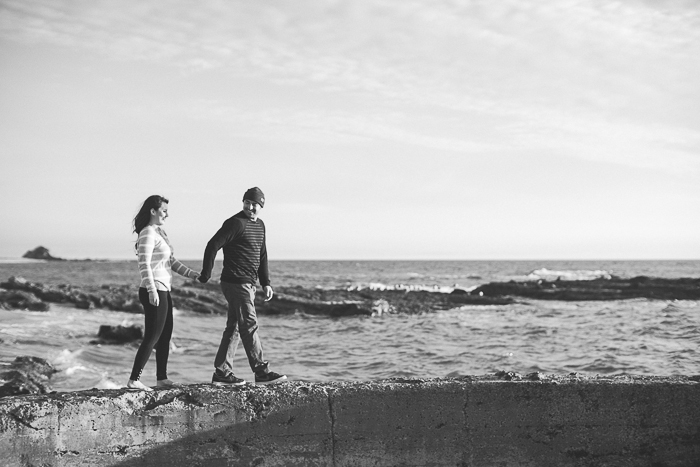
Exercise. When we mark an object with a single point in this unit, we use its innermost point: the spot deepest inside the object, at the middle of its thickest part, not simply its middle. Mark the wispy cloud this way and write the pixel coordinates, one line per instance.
(572, 74)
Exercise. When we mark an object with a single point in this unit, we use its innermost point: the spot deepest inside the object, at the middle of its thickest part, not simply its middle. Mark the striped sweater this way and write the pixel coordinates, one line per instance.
(156, 260)
(245, 252)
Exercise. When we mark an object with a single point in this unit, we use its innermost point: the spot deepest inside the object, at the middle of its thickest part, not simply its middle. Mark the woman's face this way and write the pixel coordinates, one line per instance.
(159, 215)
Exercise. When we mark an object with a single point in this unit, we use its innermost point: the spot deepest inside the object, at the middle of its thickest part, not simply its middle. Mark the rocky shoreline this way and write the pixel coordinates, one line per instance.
(19, 293)
(612, 288)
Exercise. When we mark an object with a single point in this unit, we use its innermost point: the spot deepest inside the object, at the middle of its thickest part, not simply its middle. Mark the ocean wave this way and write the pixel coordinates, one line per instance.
(70, 371)
(21, 260)
(568, 275)
(67, 359)
(679, 305)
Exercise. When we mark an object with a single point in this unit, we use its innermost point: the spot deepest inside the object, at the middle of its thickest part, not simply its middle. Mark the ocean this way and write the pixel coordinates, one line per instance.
(640, 336)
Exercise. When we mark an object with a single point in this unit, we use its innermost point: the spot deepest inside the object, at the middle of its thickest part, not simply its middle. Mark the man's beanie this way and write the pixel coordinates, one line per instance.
(255, 194)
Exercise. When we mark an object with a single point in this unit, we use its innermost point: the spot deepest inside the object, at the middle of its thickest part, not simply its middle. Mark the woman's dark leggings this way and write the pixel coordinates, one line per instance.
(159, 329)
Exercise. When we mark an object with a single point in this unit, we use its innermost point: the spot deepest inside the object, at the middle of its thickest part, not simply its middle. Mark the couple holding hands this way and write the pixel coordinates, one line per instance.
(242, 237)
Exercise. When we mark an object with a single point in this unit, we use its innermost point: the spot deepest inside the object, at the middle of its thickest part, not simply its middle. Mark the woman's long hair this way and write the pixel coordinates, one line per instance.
(144, 215)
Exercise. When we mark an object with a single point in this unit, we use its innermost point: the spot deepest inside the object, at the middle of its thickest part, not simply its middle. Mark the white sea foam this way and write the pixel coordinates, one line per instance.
(174, 348)
(65, 360)
(407, 287)
(17, 331)
(568, 275)
(105, 383)
(74, 369)
(20, 260)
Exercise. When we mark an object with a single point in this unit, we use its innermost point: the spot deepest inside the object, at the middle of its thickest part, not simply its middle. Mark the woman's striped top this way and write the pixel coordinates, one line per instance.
(156, 260)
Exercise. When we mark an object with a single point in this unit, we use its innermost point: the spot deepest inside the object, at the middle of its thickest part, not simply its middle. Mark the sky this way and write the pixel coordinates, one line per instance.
(382, 129)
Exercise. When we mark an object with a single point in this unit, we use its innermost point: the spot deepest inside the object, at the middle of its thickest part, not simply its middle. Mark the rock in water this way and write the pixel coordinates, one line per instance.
(40, 253)
(20, 299)
(119, 334)
(26, 375)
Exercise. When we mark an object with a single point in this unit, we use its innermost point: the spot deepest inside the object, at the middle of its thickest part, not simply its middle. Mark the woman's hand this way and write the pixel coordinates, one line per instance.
(153, 298)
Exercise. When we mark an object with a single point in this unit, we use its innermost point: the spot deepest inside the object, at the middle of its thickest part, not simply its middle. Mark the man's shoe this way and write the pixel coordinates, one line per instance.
(269, 378)
(227, 379)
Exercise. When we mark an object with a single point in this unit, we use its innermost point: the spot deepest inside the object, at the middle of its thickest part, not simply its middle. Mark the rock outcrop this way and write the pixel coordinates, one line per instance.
(391, 301)
(207, 298)
(17, 292)
(41, 253)
(613, 288)
(22, 300)
(109, 334)
(119, 298)
(25, 375)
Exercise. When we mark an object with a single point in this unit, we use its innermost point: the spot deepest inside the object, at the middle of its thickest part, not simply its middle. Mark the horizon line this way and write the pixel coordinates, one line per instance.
(369, 259)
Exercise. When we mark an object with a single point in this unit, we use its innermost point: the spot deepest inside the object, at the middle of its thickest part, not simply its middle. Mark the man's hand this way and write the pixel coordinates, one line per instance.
(268, 293)
(202, 279)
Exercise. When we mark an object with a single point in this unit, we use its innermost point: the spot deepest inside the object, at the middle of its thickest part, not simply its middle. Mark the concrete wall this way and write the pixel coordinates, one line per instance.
(475, 421)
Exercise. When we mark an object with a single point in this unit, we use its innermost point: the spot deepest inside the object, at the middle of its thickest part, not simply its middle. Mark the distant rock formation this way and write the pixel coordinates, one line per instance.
(41, 253)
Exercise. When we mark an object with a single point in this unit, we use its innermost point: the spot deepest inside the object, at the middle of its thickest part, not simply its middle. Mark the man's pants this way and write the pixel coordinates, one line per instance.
(241, 319)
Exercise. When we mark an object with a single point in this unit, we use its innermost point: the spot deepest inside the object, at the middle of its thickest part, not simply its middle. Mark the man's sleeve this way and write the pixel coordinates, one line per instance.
(226, 233)
(263, 271)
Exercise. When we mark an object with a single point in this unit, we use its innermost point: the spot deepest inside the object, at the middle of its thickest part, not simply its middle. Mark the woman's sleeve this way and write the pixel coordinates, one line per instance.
(181, 269)
(147, 241)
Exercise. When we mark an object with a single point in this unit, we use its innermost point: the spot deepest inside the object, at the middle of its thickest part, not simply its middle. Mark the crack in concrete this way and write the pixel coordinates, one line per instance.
(466, 457)
(332, 416)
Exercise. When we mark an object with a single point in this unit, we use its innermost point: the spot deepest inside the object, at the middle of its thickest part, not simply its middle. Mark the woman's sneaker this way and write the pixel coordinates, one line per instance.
(269, 378)
(228, 378)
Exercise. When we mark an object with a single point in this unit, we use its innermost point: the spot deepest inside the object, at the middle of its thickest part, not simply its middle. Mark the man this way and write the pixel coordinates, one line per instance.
(242, 238)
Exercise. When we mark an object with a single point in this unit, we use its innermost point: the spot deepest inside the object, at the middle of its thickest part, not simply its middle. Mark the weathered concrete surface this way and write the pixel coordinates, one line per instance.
(472, 421)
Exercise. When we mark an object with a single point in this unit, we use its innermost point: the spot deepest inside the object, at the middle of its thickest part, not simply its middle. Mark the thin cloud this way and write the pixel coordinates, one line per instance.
(547, 74)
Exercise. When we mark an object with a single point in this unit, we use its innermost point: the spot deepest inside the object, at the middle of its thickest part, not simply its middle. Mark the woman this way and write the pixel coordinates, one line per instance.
(155, 262)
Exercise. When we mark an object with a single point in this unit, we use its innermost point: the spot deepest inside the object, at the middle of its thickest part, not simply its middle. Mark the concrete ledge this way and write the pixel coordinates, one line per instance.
(472, 421)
